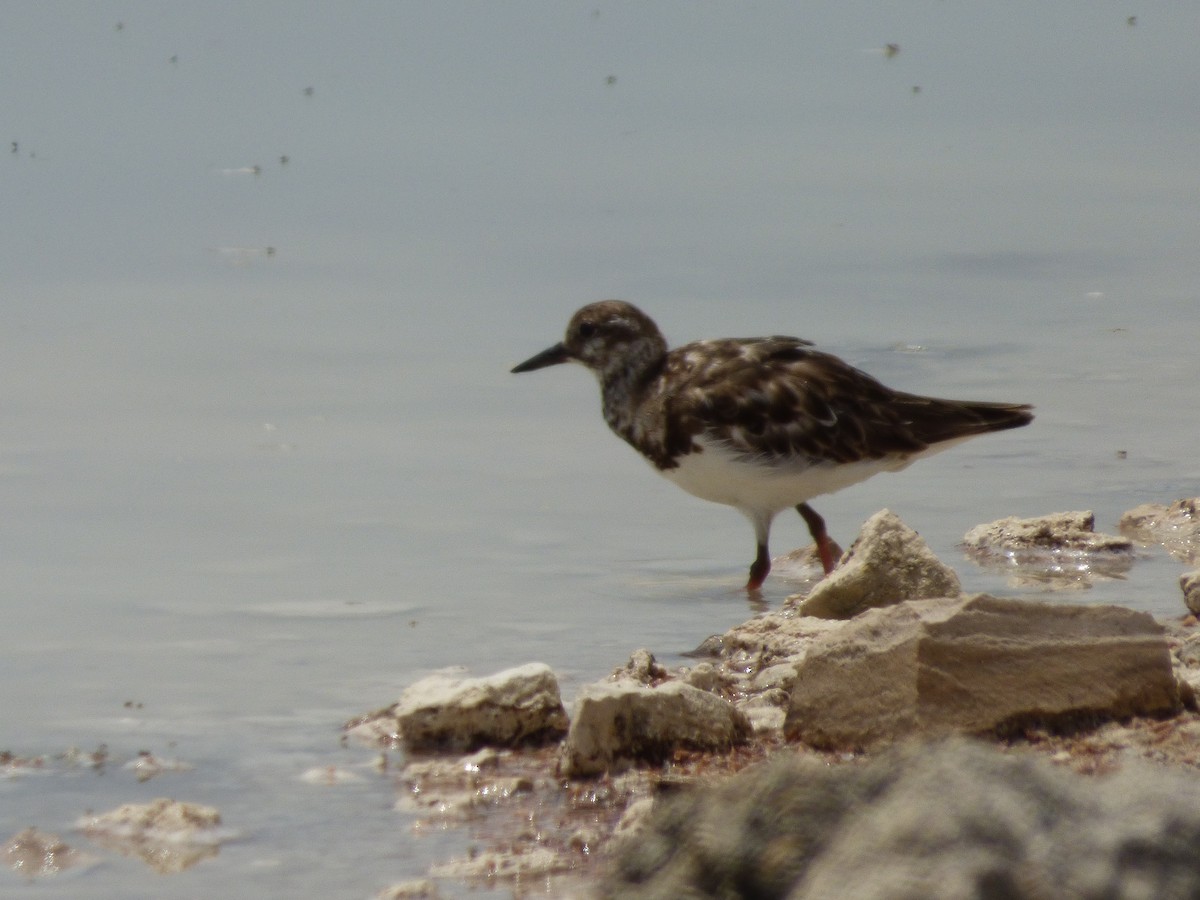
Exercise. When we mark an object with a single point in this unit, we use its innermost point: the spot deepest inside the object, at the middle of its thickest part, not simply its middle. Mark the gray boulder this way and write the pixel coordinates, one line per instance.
(935, 822)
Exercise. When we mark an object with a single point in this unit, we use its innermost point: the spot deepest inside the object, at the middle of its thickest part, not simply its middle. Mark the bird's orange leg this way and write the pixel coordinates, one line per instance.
(816, 527)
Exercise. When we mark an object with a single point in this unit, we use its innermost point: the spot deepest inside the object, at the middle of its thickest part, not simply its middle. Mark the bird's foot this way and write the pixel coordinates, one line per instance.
(759, 569)
(825, 551)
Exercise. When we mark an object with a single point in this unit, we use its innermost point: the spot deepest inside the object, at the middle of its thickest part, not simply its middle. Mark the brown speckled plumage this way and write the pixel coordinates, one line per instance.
(773, 404)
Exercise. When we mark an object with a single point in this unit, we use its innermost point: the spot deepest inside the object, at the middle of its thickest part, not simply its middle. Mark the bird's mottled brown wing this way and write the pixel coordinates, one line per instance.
(779, 398)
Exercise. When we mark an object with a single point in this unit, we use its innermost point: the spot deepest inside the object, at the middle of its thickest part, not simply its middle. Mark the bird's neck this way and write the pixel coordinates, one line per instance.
(627, 391)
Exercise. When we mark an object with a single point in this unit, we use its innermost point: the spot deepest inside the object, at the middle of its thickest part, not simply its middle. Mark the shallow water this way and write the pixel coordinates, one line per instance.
(249, 495)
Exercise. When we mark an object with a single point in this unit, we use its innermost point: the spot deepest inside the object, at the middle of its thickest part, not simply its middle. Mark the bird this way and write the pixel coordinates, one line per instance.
(760, 424)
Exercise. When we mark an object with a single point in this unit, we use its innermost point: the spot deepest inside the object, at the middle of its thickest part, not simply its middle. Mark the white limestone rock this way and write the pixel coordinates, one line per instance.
(886, 564)
(446, 713)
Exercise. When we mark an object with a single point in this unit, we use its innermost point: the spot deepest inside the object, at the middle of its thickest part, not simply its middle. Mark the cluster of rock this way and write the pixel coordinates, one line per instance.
(167, 835)
(885, 648)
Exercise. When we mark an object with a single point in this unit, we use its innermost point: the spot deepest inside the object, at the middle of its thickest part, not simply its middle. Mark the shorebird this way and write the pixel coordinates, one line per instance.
(759, 424)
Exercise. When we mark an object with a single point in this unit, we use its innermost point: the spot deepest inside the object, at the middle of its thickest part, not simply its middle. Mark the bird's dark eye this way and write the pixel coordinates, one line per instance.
(586, 329)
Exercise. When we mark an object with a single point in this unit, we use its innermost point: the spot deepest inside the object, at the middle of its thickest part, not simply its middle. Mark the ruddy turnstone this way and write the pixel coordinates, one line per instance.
(759, 424)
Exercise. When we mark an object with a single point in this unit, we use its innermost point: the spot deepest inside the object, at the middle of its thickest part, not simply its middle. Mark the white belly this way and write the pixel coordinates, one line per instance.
(721, 476)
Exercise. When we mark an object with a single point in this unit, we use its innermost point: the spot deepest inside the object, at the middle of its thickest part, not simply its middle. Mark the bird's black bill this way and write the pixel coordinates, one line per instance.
(551, 356)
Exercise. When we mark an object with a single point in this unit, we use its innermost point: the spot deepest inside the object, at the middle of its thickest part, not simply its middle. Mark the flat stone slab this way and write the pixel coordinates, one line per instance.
(977, 664)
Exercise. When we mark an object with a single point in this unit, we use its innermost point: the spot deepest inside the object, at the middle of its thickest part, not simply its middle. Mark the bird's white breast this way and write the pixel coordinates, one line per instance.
(720, 475)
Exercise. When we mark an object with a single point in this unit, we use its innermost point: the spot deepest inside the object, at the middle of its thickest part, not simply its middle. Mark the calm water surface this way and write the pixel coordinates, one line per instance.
(249, 493)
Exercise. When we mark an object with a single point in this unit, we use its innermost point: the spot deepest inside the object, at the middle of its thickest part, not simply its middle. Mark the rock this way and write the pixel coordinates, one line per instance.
(887, 563)
(941, 822)
(613, 725)
(330, 776)
(33, 853)
(416, 889)
(770, 638)
(1054, 531)
(766, 711)
(642, 668)
(705, 677)
(167, 835)
(161, 818)
(977, 664)
(804, 563)
(444, 713)
(1189, 583)
(633, 819)
(146, 765)
(1176, 527)
(458, 788)
(531, 864)
(1187, 676)
(1061, 550)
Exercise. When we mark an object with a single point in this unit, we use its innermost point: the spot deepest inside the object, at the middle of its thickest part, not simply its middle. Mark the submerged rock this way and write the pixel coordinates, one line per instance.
(616, 724)
(146, 765)
(1056, 531)
(1057, 550)
(414, 889)
(804, 563)
(938, 822)
(167, 835)
(34, 853)
(887, 563)
(1176, 527)
(976, 664)
(455, 714)
(523, 864)
(460, 787)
